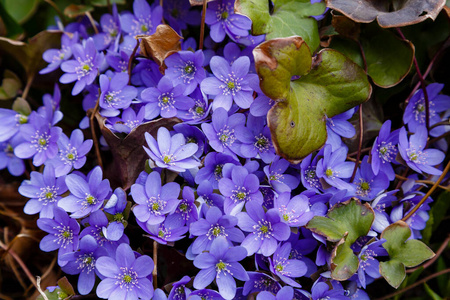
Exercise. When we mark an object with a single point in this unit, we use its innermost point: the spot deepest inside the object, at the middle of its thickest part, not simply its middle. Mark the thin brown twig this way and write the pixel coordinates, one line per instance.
(130, 61)
(20, 262)
(155, 265)
(361, 135)
(362, 151)
(202, 26)
(27, 86)
(428, 194)
(414, 284)
(92, 21)
(94, 135)
(435, 257)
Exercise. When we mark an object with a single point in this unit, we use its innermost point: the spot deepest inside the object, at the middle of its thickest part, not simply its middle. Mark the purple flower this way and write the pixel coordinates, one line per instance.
(338, 127)
(415, 156)
(153, 200)
(277, 179)
(308, 174)
(87, 194)
(379, 205)
(221, 263)
(260, 282)
(110, 25)
(205, 192)
(129, 121)
(186, 210)
(333, 168)
(199, 111)
(83, 262)
(368, 185)
(115, 94)
(241, 188)
(125, 276)
(222, 19)
(115, 207)
(171, 152)
(44, 191)
(384, 150)
(212, 169)
(231, 83)
(367, 262)
(56, 56)
(119, 62)
(15, 165)
(205, 294)
(167, 232)
(178, 14)
(11, 122)
(286, 292)
(179, 290)
(415, 112)
(193, 135)
(144, 21)
(261, 105)
(166, 100)
(72, 153)
(256, 140)
(98, 224)
(40, 140)
(186, 67)
(284, 267)
(63, 234)
(266, 229)
(84, 68)
(295, 212)
(221, 132)
(321, 290)
(214, 225)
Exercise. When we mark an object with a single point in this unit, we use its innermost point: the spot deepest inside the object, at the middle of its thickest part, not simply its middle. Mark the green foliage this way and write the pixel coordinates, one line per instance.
(344, 224)
(11, 84)
(402, 253)
(437, 213)
(20, 10)
(8, 26)
(288, 18)
(63, 291)
(328, 85)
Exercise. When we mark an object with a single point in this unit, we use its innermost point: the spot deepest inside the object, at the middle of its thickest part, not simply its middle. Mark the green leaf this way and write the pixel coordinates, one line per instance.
(402, 252)
(437, 213)
(11, 84)
(349, 48)
(431, 293)
(329, 85)
(63, 291)
(388, 58)
(21, 106)
(9, 27)
(20, 10)
(288, 18)
(345, 223)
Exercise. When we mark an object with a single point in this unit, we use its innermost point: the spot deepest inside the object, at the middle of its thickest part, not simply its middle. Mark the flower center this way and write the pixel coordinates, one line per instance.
(224, 15)
(329, 172)
(230, 85)
(188, 69)
(118, 217)
(279, 268)
(90, 200)
(85, 68)
(226, 136)
(144, 28)
(240, 194)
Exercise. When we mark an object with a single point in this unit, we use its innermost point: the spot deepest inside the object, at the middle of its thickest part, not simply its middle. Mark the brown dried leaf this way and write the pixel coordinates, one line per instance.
(346, 27)
(161, 44)
(198, 2)
(394, 13)
(128, 154)
(74, 10)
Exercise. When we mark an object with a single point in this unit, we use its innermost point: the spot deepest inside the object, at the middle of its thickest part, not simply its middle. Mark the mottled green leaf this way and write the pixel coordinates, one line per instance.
(287, 18)
(345, 222)
(388, 58)
(327, 86)
(402, 252)
(20, 10)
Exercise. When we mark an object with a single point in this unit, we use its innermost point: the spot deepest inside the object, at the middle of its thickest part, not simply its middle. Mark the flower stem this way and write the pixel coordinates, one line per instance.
(202, 26)
(130, 60)
(155, 262)
(361, 135)
(94, 135)
(435, 185)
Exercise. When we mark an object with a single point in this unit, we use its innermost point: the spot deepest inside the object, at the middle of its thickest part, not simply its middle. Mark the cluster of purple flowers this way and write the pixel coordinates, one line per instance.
(238, 197)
